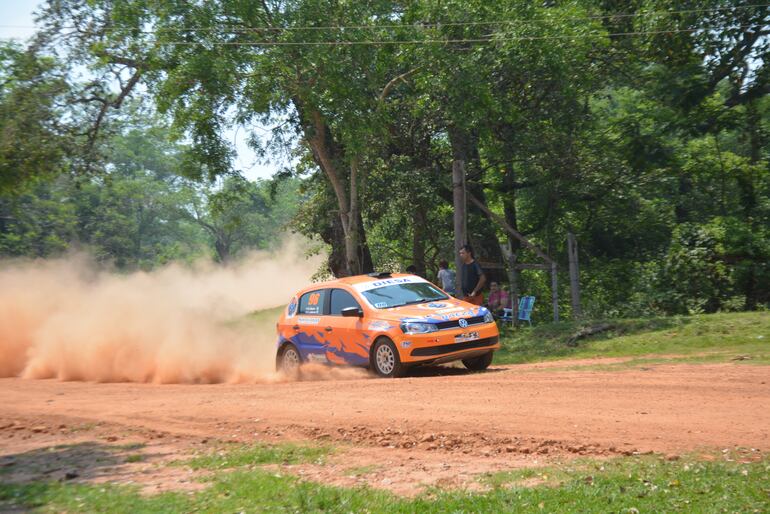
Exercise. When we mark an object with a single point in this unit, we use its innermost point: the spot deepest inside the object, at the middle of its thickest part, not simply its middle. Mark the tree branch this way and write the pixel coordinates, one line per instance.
(395, 80)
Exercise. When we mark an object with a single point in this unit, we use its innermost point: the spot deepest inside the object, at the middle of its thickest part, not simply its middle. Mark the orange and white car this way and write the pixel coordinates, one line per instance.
(384, 322)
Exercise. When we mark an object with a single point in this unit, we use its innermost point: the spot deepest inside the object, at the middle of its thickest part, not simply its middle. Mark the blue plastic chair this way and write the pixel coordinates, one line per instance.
(526, 303)
(507, 316)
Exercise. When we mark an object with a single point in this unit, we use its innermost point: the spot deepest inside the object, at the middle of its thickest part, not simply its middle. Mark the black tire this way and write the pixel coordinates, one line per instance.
(289, 359)
(385, 360)
(479, 363)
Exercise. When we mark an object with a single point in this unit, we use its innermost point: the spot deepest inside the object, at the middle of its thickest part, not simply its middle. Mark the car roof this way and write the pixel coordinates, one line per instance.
(355, 279)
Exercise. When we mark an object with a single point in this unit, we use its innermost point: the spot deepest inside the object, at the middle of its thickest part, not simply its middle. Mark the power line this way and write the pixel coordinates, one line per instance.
(491, 39)
(421, 25)
(473, 23)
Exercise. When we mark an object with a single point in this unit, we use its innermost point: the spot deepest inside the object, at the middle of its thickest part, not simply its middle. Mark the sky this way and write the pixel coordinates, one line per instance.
(16, 22)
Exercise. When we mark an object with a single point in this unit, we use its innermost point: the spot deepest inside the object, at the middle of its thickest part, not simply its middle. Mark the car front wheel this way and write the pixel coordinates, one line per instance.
(385, 360)
(479, 363)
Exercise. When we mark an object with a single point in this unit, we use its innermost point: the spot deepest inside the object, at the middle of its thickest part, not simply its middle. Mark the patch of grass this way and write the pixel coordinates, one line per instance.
(69, 497)
(361, 470)
(532, 477)
(271, 314)
(130, 446)
(724, 335)
(83, 427)
(244, 455)
(633, 484)
(136, 457)
(256, 319)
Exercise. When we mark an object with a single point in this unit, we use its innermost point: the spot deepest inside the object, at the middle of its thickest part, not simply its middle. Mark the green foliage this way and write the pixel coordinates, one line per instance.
(35, 140)
(641, 129)
(240, 215)
(138, 213)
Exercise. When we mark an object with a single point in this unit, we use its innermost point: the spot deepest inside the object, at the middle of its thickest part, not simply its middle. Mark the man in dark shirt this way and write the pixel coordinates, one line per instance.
(472, 277)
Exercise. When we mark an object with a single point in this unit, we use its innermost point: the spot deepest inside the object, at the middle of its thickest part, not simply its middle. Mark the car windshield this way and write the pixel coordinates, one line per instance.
(403, 294)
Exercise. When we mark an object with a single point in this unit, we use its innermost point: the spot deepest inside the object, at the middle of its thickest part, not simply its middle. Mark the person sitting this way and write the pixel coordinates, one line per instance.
(499, 299)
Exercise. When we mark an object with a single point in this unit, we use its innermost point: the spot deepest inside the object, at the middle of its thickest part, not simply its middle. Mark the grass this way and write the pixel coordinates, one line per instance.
(236, 456)
(359, 471)
(709, 337)
(701, 338)
(258, 319)
(632, 484)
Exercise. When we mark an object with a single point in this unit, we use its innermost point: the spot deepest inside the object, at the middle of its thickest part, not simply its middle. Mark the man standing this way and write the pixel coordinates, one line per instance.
(472, 277)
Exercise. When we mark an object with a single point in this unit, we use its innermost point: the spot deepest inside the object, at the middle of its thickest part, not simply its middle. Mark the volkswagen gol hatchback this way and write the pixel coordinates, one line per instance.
(384, 322)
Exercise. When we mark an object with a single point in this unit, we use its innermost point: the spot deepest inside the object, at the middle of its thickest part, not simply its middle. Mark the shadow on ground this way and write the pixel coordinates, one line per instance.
(26, 478)
(76, 462)
(444, 371)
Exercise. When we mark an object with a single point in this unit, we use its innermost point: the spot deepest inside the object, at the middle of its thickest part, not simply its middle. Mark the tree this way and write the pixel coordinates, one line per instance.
(241, 215)
(35, 140)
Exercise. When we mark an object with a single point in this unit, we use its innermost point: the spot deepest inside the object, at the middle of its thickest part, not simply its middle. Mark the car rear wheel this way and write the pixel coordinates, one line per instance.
(479, 363)
(289, 359)
(385, 360)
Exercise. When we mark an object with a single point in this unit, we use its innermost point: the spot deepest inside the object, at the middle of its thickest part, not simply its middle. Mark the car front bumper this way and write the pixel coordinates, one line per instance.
(448, 345)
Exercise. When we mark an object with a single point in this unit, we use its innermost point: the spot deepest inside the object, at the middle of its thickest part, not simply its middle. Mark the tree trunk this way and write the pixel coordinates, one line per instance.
(511, 258)
(334, 236)
(574, 276)
(350, 223)
(223, 249)
(681, 209)
(458, 195)
(477, 229)
(327, 154)
(554, 292)
(419, 225)
(513, 244)
(749, 196)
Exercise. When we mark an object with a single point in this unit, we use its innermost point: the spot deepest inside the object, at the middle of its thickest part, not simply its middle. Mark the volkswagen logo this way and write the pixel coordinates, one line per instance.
(463, 323)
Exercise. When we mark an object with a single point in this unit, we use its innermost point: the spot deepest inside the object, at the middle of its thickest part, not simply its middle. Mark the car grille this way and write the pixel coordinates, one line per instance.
(454, 347)
(444, 325)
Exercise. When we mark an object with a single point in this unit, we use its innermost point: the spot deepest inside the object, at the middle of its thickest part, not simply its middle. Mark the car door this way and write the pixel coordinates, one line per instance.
(309, 331)
(347, 341)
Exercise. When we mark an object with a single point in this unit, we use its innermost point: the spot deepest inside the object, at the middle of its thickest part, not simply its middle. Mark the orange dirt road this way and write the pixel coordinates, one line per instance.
(526, 409)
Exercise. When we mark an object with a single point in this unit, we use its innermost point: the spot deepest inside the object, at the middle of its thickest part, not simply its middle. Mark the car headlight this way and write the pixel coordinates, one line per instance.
(488, 318)
(411, 327)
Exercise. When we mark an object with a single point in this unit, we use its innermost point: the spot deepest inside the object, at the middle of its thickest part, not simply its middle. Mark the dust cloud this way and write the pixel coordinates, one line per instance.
(69, 320)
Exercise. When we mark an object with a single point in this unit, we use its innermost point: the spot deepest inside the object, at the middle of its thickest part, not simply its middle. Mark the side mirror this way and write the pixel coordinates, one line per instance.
(352, 312)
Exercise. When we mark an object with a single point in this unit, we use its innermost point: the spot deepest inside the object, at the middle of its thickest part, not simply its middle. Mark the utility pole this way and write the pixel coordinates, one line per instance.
(458, 197)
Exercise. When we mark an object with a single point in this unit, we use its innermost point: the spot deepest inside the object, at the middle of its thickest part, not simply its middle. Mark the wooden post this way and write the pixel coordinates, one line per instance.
(554, 292)
(458, 197)
(574, 275)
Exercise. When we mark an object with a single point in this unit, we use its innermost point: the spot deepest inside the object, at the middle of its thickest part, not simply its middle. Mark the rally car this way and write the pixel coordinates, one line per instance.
(385, 322)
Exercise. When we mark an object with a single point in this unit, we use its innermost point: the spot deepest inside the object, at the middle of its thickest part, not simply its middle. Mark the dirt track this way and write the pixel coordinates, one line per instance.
(427, 428)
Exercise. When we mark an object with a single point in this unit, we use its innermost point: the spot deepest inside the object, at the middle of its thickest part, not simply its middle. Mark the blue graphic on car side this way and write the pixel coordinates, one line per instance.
(308, 344)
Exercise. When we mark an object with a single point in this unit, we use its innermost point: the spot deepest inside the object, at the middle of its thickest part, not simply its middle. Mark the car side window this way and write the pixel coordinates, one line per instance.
(313, 302)
(341, 299)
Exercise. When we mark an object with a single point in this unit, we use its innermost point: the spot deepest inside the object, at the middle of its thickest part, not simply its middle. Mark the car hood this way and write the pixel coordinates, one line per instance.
(432, 312)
